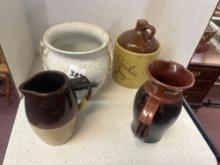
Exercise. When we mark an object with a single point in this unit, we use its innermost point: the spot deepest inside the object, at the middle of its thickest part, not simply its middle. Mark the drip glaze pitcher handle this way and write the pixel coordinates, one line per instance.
(146, 116)
(82, 83)
(149, 110)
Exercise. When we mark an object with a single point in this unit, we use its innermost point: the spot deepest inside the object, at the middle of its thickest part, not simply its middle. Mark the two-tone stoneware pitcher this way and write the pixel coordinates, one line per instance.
(51, 104)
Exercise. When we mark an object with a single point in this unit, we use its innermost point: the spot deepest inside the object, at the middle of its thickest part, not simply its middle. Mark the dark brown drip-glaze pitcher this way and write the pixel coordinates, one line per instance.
(51, 104)
(158, 101)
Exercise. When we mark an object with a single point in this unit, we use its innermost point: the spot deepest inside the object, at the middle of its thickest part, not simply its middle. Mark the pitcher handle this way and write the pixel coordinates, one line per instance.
(146, 117)
(42, 53)
(85, 99)
(149, 110)
(80, 84)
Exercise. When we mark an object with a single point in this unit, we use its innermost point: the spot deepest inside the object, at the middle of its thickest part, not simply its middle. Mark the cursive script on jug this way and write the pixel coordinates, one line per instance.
(124, 69)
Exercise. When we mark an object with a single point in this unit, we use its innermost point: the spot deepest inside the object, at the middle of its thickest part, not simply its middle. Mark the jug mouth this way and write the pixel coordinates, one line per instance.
(170, 74)
(75, 27)
(45, 83)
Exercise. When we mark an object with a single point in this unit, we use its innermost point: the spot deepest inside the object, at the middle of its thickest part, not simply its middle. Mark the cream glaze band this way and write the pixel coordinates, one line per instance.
(56, 136)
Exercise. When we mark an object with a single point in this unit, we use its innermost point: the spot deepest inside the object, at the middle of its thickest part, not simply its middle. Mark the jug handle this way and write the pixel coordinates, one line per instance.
(149, 110)
(151, 29)
(42, 53)
(79, 82)
(143, 24)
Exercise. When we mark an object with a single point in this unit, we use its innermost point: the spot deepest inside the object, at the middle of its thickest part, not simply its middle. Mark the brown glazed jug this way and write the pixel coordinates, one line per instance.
(51, 104)
(134, 49)
(158, 102)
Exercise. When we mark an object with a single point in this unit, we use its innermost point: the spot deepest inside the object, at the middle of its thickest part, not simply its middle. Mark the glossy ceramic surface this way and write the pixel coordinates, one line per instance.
(51, 104)
(134, 49)
(158, 102)
(129, 67)
(140, 39)
(96, 60)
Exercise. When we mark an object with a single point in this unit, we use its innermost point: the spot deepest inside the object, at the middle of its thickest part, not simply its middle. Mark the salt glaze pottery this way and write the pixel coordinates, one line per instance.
(158, 101)
(51, 104)
(134, 49)
(77, 48)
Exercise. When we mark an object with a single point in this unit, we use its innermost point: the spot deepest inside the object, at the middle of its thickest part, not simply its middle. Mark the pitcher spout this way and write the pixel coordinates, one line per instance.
(45, 83)
(25, 88)
(22, 88)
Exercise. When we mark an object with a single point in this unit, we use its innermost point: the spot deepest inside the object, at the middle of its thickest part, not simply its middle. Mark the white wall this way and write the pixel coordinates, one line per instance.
(114, 16)
(15, 38)
(179, 24)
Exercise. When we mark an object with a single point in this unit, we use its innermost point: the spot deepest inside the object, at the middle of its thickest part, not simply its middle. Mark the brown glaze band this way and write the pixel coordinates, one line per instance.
(140, 39)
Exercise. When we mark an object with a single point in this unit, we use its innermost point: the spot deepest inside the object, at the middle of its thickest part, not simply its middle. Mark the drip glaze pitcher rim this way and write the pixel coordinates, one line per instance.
(171, 63)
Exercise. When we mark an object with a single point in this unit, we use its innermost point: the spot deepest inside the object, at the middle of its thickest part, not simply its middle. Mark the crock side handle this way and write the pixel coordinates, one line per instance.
(110, 53)
(43, 52)
(149, 110)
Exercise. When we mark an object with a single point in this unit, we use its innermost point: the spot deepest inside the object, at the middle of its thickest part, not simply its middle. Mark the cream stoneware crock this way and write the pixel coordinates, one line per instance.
(77, 48)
